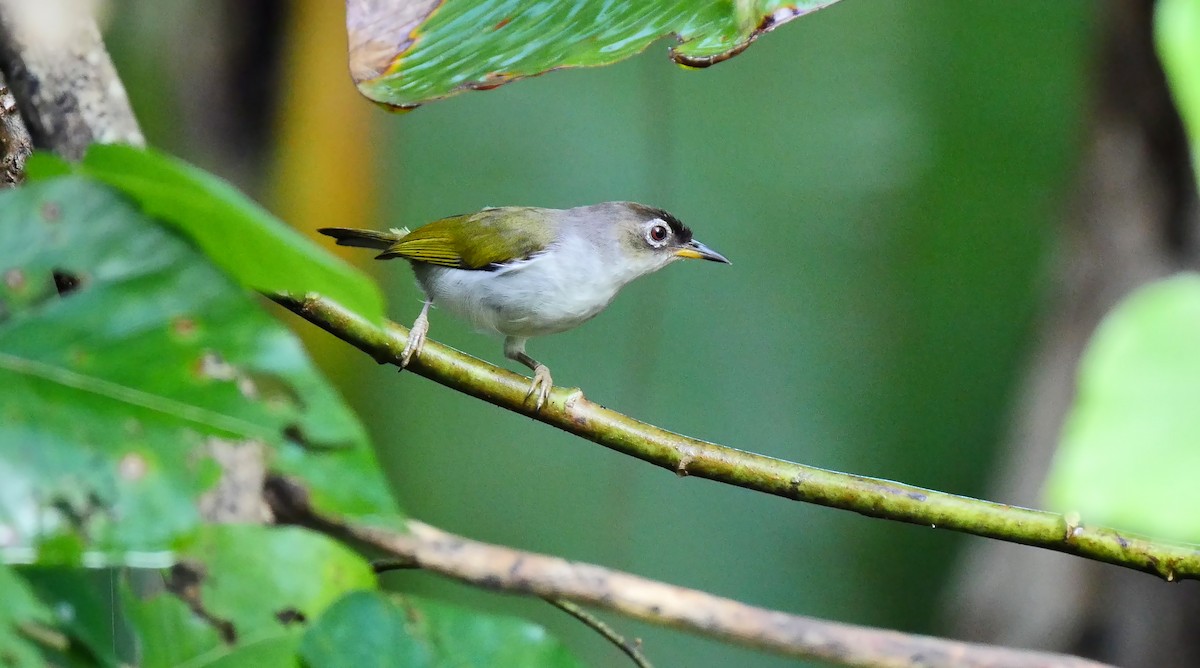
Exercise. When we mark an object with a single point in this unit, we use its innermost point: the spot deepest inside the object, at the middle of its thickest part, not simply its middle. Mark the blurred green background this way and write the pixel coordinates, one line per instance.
(886, 178)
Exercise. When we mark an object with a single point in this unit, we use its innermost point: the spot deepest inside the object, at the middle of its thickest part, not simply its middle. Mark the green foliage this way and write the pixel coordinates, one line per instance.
(248, 590)
(1129, 451)
(410, 632)
(513, 39)
(255, 575)
(258, 250)
(257, 596)
(135, 375)
(130, 368)
(83, 605)
(21, 614)
(1177, 35)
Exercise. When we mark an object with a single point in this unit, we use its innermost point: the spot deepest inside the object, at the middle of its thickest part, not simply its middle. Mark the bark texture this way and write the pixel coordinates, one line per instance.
(61, 77)
(15, 144)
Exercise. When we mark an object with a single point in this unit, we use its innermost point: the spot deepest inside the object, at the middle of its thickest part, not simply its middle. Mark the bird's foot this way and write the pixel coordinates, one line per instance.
(416, 340)
(541, 386)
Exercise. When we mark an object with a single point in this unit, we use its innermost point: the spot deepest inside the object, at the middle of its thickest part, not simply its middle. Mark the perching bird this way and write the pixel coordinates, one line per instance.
(524, 271)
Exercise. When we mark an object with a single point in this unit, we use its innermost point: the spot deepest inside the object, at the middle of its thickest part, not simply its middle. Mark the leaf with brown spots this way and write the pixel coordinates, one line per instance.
(125, 355)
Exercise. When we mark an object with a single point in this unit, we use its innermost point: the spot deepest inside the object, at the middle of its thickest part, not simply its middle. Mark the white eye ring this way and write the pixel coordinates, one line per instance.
(658, 233)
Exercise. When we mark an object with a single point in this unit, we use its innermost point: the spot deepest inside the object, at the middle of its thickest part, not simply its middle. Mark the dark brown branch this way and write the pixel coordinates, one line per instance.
(513, 571)
(65, 85)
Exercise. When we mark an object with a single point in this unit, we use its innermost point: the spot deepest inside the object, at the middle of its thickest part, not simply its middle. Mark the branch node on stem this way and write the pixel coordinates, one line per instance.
(1074, 527)
(681, 469)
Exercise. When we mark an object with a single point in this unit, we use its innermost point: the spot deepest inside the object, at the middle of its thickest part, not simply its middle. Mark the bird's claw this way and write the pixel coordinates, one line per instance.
(416, 340)
(540, 387)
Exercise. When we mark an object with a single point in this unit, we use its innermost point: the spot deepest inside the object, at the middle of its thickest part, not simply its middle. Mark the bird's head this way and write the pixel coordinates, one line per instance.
(649, 238)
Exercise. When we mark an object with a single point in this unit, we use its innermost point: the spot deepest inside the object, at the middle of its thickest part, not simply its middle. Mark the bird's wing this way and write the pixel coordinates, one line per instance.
(485, 240)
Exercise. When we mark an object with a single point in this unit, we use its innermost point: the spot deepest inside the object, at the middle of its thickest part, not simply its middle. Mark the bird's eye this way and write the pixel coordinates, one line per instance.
(658, 233)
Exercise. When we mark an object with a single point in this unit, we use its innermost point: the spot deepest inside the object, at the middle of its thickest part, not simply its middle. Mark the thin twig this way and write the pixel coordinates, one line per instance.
(385, 565)
(631, 648)
(568, 410)
(505, 569)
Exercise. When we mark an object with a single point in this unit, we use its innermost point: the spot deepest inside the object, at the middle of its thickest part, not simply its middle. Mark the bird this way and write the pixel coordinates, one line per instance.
(522, 272)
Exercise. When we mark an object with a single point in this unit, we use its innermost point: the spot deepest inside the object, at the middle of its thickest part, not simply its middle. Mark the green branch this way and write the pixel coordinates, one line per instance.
(568, 410)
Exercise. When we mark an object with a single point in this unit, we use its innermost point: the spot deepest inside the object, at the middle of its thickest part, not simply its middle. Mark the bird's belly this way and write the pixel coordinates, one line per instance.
(524, 302)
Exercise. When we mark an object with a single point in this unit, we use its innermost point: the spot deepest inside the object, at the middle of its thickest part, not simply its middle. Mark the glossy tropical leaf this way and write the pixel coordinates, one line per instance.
(132, 373)
(1129, 451)
(257, 249)
(406, 53)
(373, 629)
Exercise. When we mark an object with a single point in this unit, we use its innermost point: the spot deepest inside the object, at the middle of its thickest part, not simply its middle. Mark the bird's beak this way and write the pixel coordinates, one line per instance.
(698, 251)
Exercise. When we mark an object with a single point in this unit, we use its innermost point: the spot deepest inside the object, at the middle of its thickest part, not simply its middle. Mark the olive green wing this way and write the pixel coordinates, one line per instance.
(483, 240)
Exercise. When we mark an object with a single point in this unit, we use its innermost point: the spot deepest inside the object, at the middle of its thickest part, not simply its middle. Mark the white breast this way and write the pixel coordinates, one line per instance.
(548, 293)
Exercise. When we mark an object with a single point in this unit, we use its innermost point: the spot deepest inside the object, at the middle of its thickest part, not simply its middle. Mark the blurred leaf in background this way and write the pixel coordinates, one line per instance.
(1128, 451)
(1129, 454)
(1177, 37)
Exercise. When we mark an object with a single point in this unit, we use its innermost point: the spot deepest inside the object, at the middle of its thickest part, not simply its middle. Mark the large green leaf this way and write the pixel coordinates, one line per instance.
(241, 237)
(131, 372)
(371, 629)
(1131, 447)
(404, 53)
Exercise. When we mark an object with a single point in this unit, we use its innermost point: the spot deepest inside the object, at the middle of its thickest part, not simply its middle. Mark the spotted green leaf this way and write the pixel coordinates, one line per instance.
(135, 377)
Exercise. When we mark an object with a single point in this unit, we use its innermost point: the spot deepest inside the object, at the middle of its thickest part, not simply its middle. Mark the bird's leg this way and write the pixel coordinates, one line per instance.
(514, 349)
(416, 335)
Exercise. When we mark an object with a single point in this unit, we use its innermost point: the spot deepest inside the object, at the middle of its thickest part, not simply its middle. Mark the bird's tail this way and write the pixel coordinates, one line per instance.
(365, 238)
